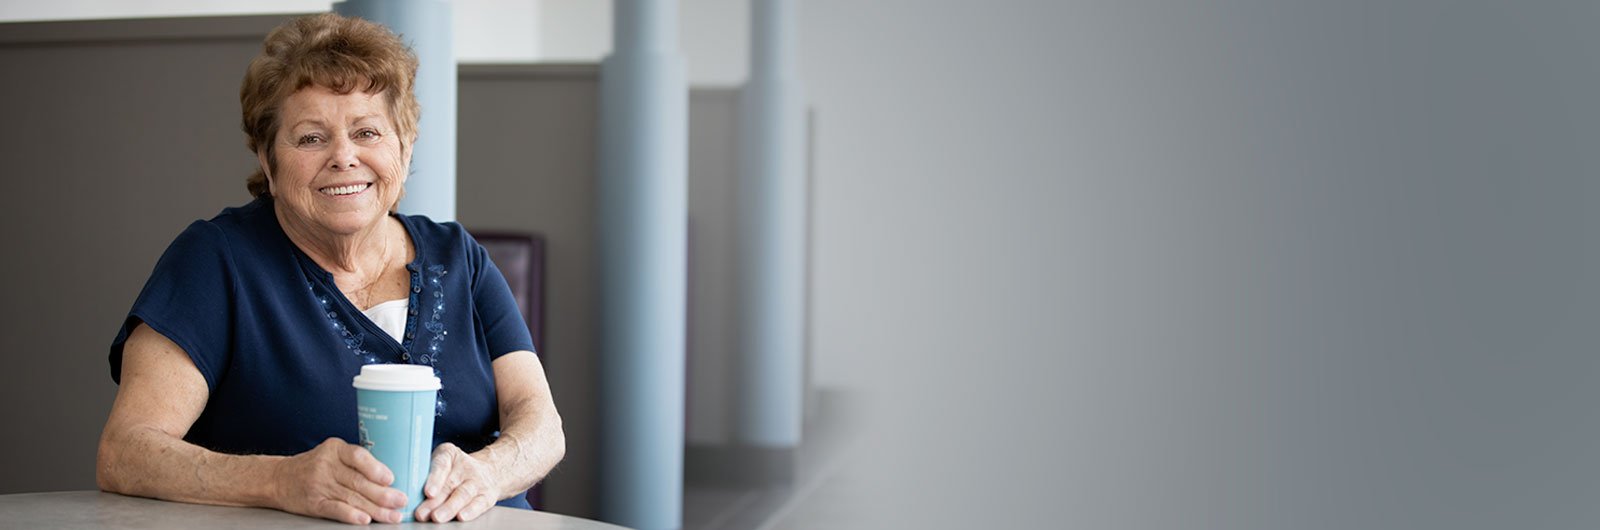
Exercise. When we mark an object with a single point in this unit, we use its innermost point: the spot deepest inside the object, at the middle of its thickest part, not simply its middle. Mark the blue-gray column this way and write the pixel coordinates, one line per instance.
(772, 235)
(425, 26)
(643, 193)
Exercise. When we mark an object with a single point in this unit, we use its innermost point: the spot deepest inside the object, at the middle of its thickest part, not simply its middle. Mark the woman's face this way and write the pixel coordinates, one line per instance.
(341, 164)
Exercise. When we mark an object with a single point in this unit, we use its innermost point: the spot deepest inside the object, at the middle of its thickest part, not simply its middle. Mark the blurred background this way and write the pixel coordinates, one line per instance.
(1071, 264)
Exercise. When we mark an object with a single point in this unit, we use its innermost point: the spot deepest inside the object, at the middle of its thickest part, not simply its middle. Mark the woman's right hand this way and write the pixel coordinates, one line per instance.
(142, 451)
(338, 481)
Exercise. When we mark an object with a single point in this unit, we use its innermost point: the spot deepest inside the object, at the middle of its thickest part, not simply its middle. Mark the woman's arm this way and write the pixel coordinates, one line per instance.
(463, 486)
(142, 451)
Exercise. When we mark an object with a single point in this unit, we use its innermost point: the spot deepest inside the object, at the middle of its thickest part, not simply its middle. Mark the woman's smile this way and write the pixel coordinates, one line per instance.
(342, 191)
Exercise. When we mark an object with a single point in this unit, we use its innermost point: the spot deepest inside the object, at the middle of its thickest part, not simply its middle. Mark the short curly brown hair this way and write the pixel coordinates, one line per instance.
(343, 54)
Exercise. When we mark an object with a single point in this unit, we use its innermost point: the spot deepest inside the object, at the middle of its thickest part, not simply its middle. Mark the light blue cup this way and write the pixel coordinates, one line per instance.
(394, 407)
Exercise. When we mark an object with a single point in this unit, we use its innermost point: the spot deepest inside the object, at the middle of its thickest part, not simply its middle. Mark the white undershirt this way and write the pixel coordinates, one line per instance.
(391, 316)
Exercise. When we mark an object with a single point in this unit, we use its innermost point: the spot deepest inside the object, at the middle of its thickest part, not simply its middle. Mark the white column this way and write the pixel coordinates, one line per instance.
(643, 193)
(772, 197)
(424, 25)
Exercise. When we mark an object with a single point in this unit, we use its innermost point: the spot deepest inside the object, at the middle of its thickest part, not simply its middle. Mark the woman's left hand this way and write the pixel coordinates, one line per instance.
(462, 486)
(459, 487)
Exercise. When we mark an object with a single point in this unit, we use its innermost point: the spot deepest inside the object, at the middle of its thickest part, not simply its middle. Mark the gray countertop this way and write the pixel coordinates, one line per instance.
(95, 509)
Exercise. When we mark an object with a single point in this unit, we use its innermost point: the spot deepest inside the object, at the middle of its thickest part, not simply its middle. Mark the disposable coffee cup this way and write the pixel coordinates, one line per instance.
(394, 409)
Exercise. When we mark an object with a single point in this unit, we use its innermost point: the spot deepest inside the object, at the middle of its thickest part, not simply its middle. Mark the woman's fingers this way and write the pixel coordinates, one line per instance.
(444, 458)
(360, 459)
(479, 505)
(381, 502)
(341, 482)
(361, 483)
(338, 511)
(458, 487)
(459, 500)
(442, 478)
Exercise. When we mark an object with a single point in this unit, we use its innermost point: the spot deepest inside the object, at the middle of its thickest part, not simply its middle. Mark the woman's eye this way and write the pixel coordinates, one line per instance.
(366, 134)
(310, 139)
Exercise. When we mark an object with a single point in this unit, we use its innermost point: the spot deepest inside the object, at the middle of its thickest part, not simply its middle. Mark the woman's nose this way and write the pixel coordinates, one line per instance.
(344, 155)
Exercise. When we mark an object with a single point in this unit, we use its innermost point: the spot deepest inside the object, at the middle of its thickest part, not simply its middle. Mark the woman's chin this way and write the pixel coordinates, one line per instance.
(346, 223)
(343, 220)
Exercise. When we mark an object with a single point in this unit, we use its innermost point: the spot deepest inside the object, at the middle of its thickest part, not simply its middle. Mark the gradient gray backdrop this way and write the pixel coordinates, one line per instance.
(1221, 264)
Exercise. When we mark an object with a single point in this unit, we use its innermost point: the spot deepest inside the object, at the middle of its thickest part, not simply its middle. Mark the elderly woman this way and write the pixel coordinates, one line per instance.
(235, 362)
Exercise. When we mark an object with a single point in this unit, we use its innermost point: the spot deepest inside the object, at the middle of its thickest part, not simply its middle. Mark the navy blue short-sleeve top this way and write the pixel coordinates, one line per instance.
(278, 343)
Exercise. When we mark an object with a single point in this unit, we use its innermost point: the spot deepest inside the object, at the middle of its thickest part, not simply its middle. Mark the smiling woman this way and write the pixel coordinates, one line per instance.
(236, 360)
(339, 171)
(340, 167)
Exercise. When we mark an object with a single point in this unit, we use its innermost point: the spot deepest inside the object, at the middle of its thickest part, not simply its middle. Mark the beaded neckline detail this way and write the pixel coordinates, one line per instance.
(354, 338)
(435, 327)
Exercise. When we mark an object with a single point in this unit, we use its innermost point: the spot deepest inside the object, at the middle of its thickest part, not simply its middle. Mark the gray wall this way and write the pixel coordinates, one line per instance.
(1211, 264)
(112, 144)
(526, 159)
(713, 290)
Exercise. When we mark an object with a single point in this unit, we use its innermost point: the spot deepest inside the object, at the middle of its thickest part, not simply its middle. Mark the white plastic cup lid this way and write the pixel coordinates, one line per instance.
(396, 378)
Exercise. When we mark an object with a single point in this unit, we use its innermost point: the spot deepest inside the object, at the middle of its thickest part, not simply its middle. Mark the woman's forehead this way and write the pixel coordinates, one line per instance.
(323, 104)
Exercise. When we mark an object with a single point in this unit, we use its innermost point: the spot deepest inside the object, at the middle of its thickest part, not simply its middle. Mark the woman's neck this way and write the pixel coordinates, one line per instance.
(362, 253)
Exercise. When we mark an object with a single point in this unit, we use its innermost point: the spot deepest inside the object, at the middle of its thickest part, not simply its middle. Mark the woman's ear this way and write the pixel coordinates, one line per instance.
(406, 148)
(266, 169)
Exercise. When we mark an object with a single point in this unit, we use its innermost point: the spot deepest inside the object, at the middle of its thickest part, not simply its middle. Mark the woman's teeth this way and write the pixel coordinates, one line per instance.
(345, 190)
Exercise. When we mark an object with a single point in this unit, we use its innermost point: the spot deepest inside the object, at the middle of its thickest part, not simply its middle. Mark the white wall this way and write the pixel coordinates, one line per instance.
(486, 30)
(99, 9)
(574, 30)
(498, 31)
(714, 36)
(715, 33)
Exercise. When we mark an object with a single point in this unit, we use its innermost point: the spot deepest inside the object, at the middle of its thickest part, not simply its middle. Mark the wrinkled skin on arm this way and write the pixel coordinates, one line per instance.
(142, 451)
